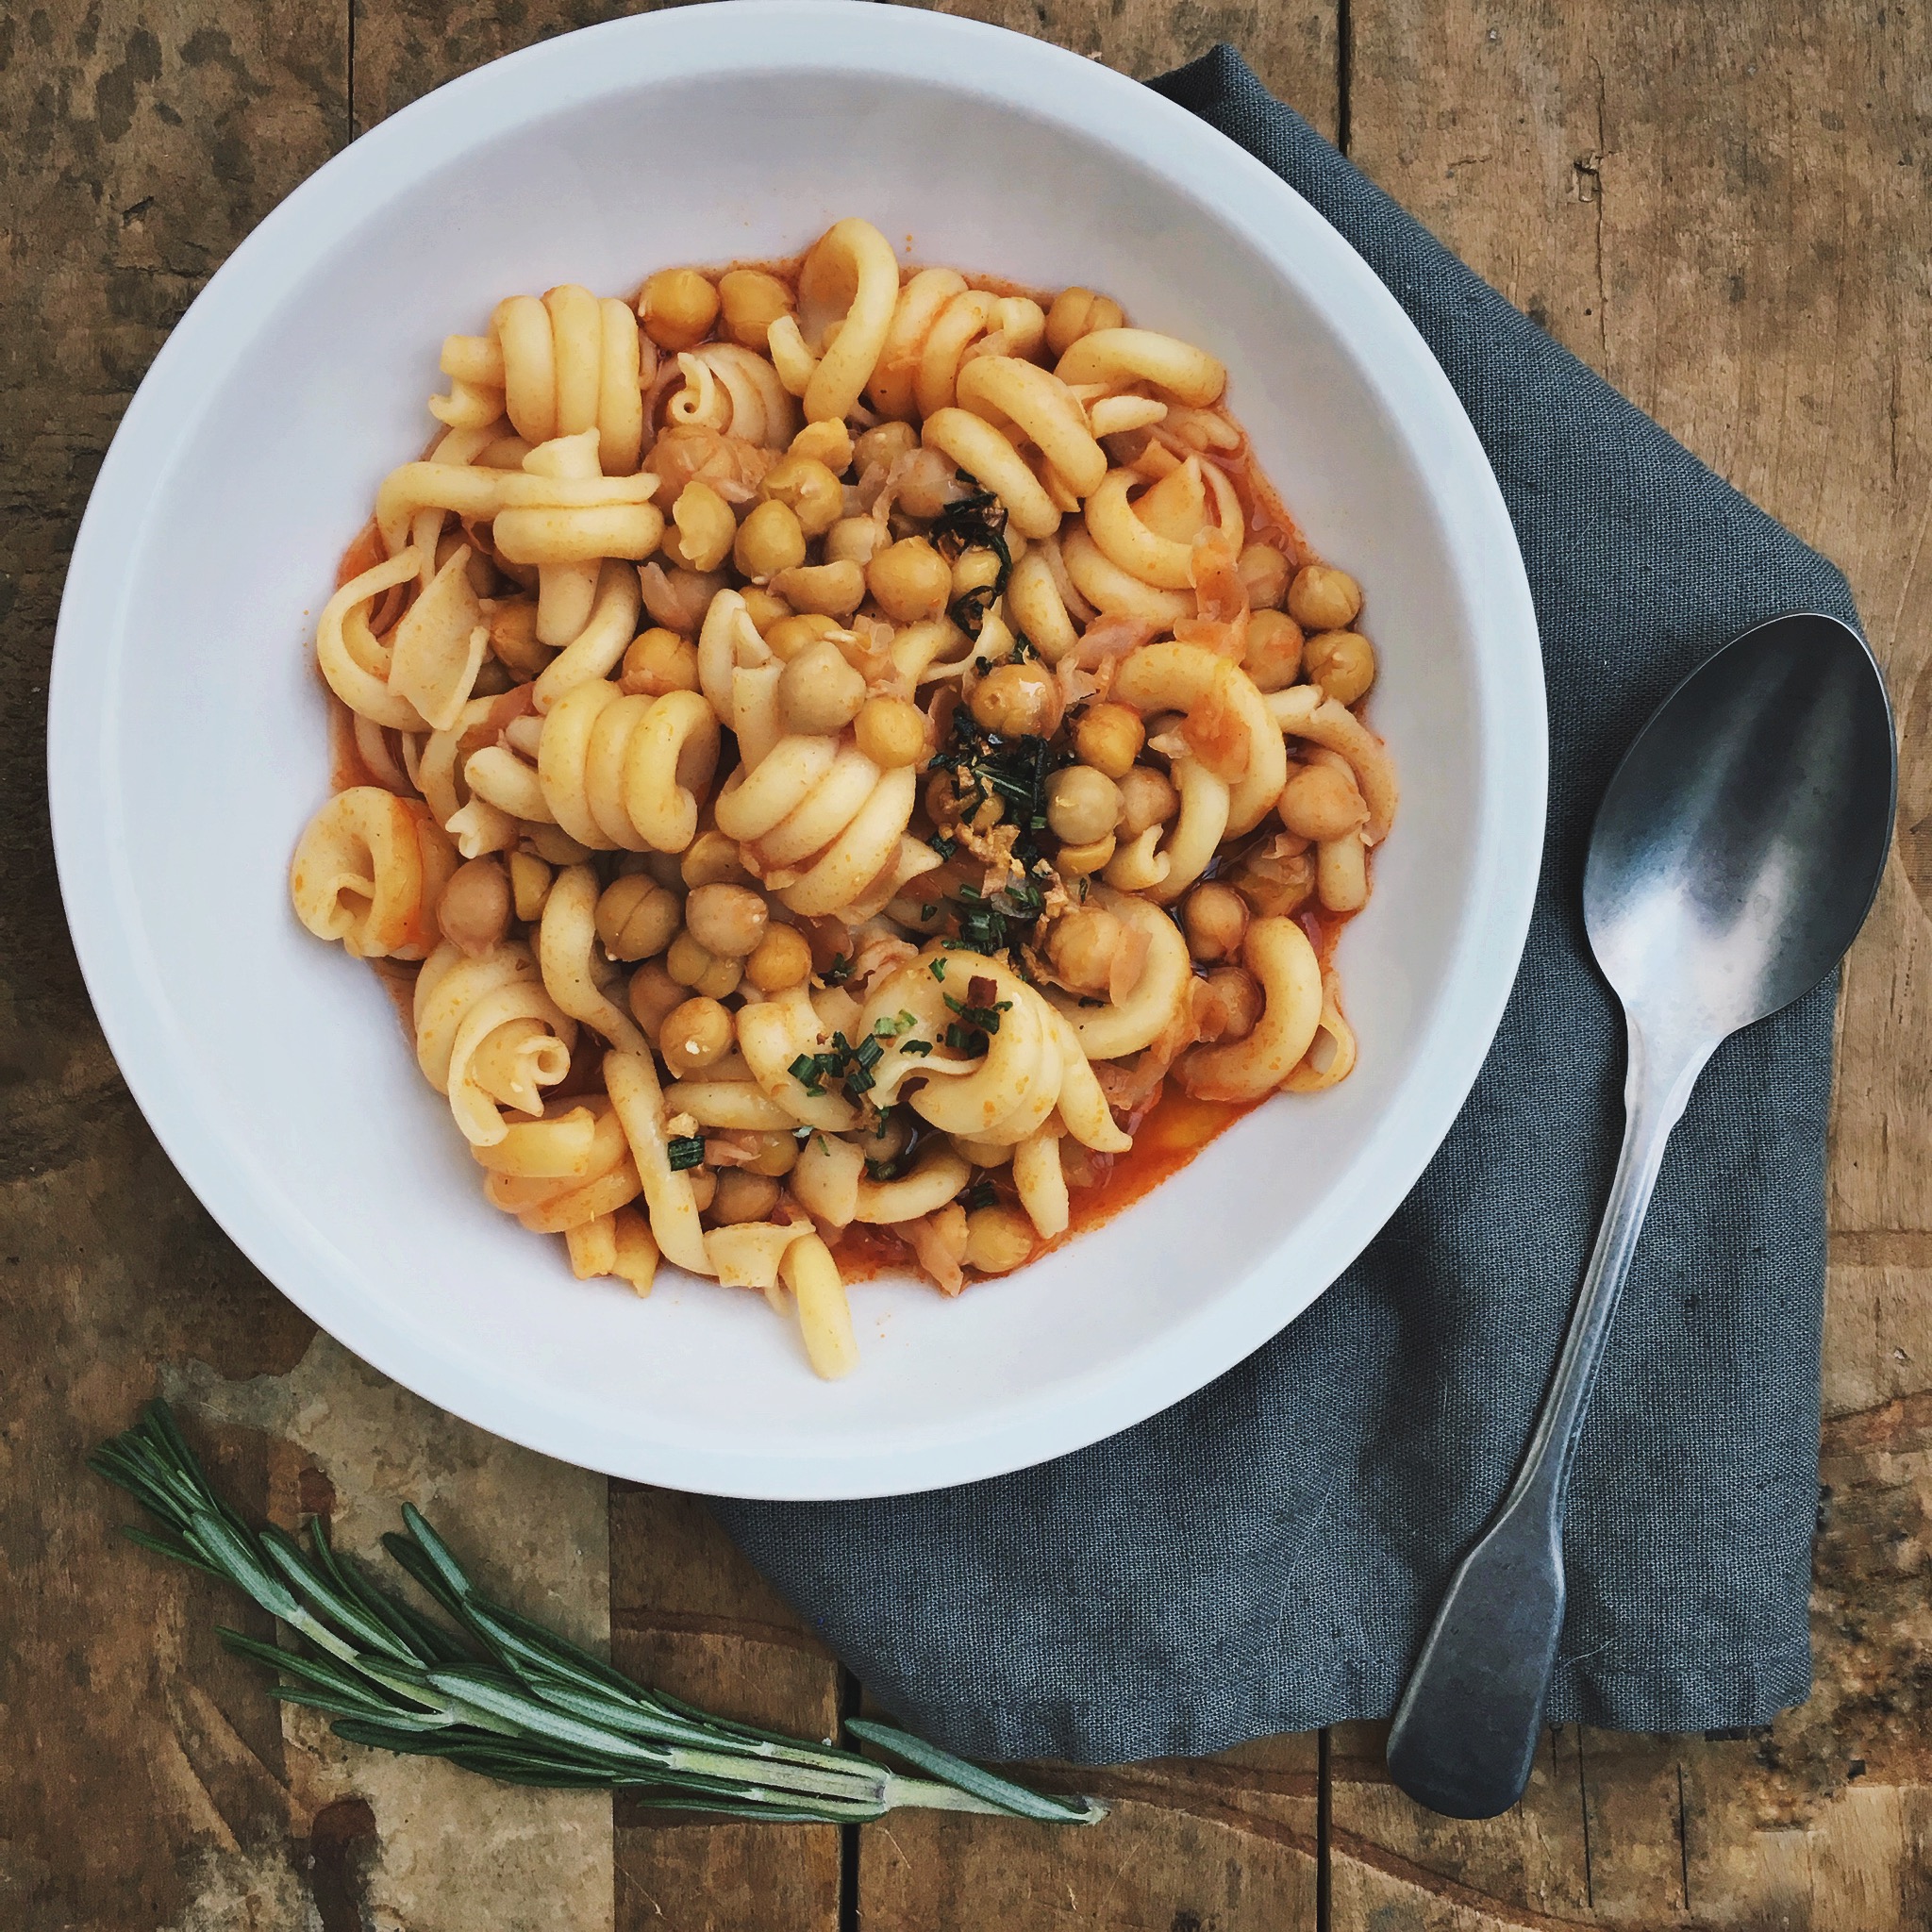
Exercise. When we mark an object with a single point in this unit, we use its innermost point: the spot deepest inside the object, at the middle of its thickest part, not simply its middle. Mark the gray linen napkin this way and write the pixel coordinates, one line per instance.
(1265, 1556)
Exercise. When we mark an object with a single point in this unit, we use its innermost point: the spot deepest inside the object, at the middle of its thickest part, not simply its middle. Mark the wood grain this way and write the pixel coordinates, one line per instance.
(1725, 211)
(141, 145)
(689, 1614)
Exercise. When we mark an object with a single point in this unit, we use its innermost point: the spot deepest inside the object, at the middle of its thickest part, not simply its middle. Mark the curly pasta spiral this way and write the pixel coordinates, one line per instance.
(566, 363)
(616, 772)
(937, 324)
(489, 1035)
(736, 392)
(368, 870)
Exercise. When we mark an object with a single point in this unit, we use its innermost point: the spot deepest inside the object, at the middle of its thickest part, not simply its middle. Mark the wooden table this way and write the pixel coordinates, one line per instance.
(1727, 212)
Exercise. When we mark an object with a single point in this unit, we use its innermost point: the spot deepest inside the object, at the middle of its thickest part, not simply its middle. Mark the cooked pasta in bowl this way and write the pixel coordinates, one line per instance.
(859, 737)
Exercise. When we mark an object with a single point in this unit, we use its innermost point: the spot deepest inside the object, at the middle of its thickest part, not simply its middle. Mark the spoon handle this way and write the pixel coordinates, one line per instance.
(1466, 1731)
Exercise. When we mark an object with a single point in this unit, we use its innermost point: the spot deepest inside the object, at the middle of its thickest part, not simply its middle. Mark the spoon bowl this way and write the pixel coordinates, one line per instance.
(1733, 860)
(1740, 844)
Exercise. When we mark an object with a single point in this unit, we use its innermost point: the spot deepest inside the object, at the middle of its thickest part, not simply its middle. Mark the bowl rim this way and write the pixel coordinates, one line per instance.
(891, 44)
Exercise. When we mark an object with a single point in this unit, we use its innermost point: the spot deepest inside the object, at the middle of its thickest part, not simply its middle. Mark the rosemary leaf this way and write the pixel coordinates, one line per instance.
(525, 1705)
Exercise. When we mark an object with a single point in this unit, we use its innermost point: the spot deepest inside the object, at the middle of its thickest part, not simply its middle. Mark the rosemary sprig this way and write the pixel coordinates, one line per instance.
(503, 1695)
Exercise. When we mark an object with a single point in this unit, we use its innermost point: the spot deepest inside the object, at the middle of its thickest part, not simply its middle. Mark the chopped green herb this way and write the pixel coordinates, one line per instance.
(687, 1150)
(858, 1081)
(868, 1052)
(927, 911)
(839, 970)
(986, 767)
(920, 1047)
(976, 522)
(901, 1021)
(937, 967)
(945, 846)
(980, 1194)
(963, 1040)
(1023, 648)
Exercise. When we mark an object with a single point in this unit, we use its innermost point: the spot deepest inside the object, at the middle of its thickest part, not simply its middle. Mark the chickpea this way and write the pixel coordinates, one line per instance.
(652, 995)
(854, 539)
(473, 912)
(687, 961)
(1082, 947)
(889, 1139)
(742, 1195)
(997, 1240)
(1274, 656)
(711, 860)
(720, 979)
(704, 1188)
(769, 540)
(678, 598)
(705, 526)
(1216, 920)
(791, 635)
(884, 446)
(892, 732)
(910, 580)
(1018, 701)
(763, 607)
(1343, 663)
(529, 884)
(829, 443)
(695, 1034)
(1078, 313)
(928, 484)
(1147, 798)
(819, 692)
(809, 489)
(1109, 737)
(636, 917)
(781, 960)
(658, 661)
(1321, 598)
(752, 302)
(1076, 861)
(513, 636)
(1232, 1008)
(1264, 571)
(1319, 802)
(828, 590)
(976, 570)
(677, 307)
(728, 921)
(778, 1152)
(1082, 804)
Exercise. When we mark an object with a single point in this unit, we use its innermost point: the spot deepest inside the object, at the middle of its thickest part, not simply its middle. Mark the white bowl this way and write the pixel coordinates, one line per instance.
(186, 735)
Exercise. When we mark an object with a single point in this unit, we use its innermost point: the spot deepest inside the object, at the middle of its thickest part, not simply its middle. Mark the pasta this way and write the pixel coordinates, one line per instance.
(841, 749)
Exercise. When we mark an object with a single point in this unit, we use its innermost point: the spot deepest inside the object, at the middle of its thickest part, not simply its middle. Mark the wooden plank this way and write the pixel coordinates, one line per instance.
(142, 143)
(1230, 1842)
(1292, 44)
(692, 1616)
(1725, 213)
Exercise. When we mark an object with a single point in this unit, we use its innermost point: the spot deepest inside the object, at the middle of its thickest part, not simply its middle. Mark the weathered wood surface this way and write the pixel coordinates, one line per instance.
(1727, 212)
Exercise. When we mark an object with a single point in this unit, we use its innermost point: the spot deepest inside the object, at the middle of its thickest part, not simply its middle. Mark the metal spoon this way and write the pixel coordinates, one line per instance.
(1733, 860)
